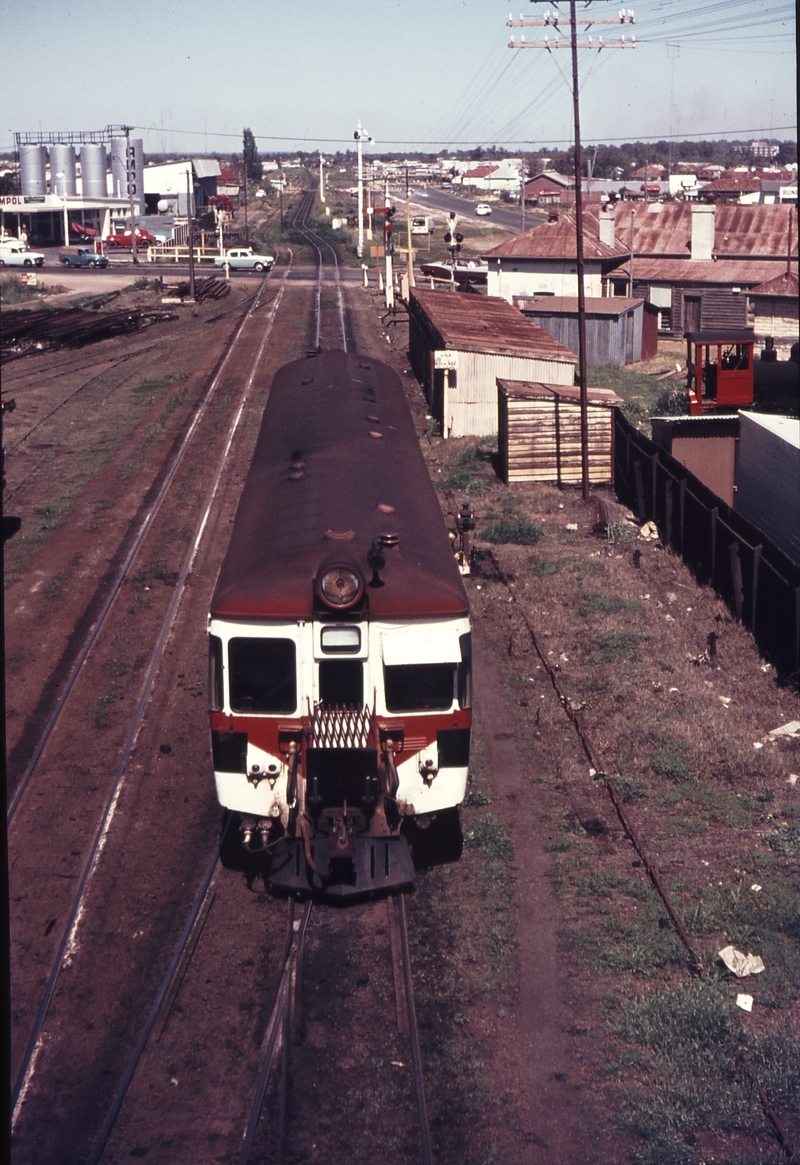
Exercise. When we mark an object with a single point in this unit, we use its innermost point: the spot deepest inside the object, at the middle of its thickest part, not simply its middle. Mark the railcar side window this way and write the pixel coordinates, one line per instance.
(215, 673)
(465, 671)
(418, 687)
(263, 675)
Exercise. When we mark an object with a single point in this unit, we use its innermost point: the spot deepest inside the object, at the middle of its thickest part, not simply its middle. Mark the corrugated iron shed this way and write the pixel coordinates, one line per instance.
(595, 306)
(784, 284)
(619, 330)
(483, 323)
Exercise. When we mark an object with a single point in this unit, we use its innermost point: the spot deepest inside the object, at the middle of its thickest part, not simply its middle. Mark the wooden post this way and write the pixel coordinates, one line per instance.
(756, 565)
(640, 503)
(714, 516)
(682, 510)
(668, 509)
(736, 575)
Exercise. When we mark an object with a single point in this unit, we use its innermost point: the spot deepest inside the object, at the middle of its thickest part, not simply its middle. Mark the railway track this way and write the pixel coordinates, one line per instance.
(96, 853)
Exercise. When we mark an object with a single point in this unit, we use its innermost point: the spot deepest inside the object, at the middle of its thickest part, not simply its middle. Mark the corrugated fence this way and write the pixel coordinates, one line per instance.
(760, 584)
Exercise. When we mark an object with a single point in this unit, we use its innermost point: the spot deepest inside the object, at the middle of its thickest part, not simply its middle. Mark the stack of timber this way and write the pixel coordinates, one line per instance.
(540, 432)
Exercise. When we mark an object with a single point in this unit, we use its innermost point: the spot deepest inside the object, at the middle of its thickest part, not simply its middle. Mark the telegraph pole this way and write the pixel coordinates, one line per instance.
(189, 236)
(361, 136)
(408, 235)
(552, 20)
(321, 178)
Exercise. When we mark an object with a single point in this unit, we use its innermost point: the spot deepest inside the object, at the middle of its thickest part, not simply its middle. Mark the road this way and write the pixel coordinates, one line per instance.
(434, 199)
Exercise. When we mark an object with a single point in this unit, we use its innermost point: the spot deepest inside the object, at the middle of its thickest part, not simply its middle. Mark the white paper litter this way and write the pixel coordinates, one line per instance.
(571, 526)
(790, 729)
(741, 964)
(745, 1002)
(792, 779)
(649, 532)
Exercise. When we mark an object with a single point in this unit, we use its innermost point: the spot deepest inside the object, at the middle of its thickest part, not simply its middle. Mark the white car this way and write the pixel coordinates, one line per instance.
(13, 253)
(483, 208)
(245, 259)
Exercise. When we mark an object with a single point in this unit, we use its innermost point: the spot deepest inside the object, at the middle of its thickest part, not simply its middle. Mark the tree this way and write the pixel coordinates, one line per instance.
(252, 159)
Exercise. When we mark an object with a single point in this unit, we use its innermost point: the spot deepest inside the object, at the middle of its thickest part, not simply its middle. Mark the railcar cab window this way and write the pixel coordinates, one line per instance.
(215, 672)
(419, 687)
(263, 675)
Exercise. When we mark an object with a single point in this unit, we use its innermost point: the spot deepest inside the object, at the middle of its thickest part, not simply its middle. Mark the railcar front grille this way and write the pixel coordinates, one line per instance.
(340, 727)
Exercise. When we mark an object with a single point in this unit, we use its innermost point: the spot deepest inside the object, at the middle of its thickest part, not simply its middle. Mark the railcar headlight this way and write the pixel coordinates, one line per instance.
(340, 587)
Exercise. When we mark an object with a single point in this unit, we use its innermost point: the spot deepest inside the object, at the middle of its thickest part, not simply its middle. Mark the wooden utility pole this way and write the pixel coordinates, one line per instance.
(408, 235)
(189, 232)
(246, 227)
(552, 20)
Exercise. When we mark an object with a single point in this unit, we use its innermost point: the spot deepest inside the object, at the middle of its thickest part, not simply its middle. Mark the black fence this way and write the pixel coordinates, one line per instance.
(760, 584)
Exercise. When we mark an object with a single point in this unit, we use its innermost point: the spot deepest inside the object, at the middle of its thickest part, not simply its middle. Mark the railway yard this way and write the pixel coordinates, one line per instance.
(560, 998)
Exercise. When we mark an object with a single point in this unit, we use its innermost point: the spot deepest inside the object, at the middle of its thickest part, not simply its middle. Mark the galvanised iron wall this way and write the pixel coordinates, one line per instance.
(759, 583)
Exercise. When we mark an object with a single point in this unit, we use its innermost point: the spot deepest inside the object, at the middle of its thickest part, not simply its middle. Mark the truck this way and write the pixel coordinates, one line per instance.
(244, 259)
(15, 253)
(84, 257)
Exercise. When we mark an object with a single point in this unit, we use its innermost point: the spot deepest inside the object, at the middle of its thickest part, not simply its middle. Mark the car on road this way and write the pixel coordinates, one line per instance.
(466, 270)
(245, 259)
(483, 208)
(124, 239)
(14, 253)
(84, 257)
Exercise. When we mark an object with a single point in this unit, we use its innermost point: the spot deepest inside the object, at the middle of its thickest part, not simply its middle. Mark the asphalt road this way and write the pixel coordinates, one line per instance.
(435, 199)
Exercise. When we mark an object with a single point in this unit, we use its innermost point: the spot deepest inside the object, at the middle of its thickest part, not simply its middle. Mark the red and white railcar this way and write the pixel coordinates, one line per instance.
(340, 648)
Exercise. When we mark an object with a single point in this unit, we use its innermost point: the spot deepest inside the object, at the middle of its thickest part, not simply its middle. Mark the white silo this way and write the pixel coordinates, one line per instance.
(62, 161)
(93, 171)
(32, 170)
(119, 171)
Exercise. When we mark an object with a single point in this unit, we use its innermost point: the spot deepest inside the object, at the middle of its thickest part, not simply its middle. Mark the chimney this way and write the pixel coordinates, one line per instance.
(702, 230)
(606, 219)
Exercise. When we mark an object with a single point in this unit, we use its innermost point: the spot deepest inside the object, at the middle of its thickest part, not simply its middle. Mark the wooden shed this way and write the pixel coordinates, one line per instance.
(539, 427)
(707, 445)
(619, 330)
(769, 470)
(460, 344)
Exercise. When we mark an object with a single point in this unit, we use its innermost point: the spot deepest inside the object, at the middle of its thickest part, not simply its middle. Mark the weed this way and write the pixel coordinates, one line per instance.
(467, 472)
(785, 840)
(617, 645)
(670, 761)
(141, 284)
(600, 604)
(13, 291)
(543, 567)
(630, 788)
(513, 528)
(671, 402)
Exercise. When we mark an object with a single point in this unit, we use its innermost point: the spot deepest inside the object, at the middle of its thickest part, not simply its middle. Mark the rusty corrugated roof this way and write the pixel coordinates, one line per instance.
(784, 284)
(568, 304)
(735, 272)
(483, 323)
(556, 239)
(739, 231)
(571, 394)
(733, 184)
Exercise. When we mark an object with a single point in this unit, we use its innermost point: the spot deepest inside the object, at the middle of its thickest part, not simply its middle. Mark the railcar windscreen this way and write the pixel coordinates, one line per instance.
(263, 675)
(419, 687)
(215, 673)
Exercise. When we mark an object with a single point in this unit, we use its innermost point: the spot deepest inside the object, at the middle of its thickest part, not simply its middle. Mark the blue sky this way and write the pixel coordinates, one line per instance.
(420, 74)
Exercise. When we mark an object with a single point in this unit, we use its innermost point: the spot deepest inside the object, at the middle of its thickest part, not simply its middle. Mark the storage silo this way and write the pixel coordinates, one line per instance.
(119, 171)
(62, 161)
(93, 171)
(32, 170)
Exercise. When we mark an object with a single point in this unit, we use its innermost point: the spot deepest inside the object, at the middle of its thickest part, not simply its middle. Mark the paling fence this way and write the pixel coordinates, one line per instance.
(759, 583)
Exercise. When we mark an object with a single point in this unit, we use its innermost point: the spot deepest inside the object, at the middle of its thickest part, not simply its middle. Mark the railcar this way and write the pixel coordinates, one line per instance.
(340, 646)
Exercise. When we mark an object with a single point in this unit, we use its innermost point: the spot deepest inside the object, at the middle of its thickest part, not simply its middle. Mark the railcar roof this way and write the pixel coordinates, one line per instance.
(346, 419)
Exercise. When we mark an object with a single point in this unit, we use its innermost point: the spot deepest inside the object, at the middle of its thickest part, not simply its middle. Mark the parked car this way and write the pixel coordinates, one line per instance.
(84, 257)
(14, 253)
(245, 259)
(483, 208)
(467, 270)
(124, 239)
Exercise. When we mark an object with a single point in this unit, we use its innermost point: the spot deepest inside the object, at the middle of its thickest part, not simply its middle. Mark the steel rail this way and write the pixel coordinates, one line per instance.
(304, 208)
(413, 1031)
(98, 844)
(277, 1029)
(161, 994)
(144, 527)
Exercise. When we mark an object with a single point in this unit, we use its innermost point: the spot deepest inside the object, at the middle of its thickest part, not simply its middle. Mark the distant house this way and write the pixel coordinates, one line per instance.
(549, 188)
(504, 175)
(173, 182)
(543, 260)
(774, 308)
(734, 186)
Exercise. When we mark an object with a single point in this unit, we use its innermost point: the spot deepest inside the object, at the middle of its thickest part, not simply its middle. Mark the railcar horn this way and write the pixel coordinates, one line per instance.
(375, 556)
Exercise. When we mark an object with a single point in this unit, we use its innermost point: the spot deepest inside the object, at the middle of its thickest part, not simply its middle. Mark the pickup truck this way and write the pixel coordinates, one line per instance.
(13, 253)
(85, 257)
(245, 259)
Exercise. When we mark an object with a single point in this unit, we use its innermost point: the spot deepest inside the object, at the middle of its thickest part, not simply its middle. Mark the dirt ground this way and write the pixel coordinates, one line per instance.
(561, 1019)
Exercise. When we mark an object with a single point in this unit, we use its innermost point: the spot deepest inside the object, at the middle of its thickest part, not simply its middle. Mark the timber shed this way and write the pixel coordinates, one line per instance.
(619, 330)
(707, 445)
(769, 470)
(539, 432)
(460, 344)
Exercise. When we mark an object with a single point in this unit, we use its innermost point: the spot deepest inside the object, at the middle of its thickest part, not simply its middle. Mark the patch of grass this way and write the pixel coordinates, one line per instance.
(629, 788)
(141, 284)
(512, 527)
(543, 567)
(670, 761)
(613, 646)
(12, 290)
(601, 604)
(467, 472)
(785, 840)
